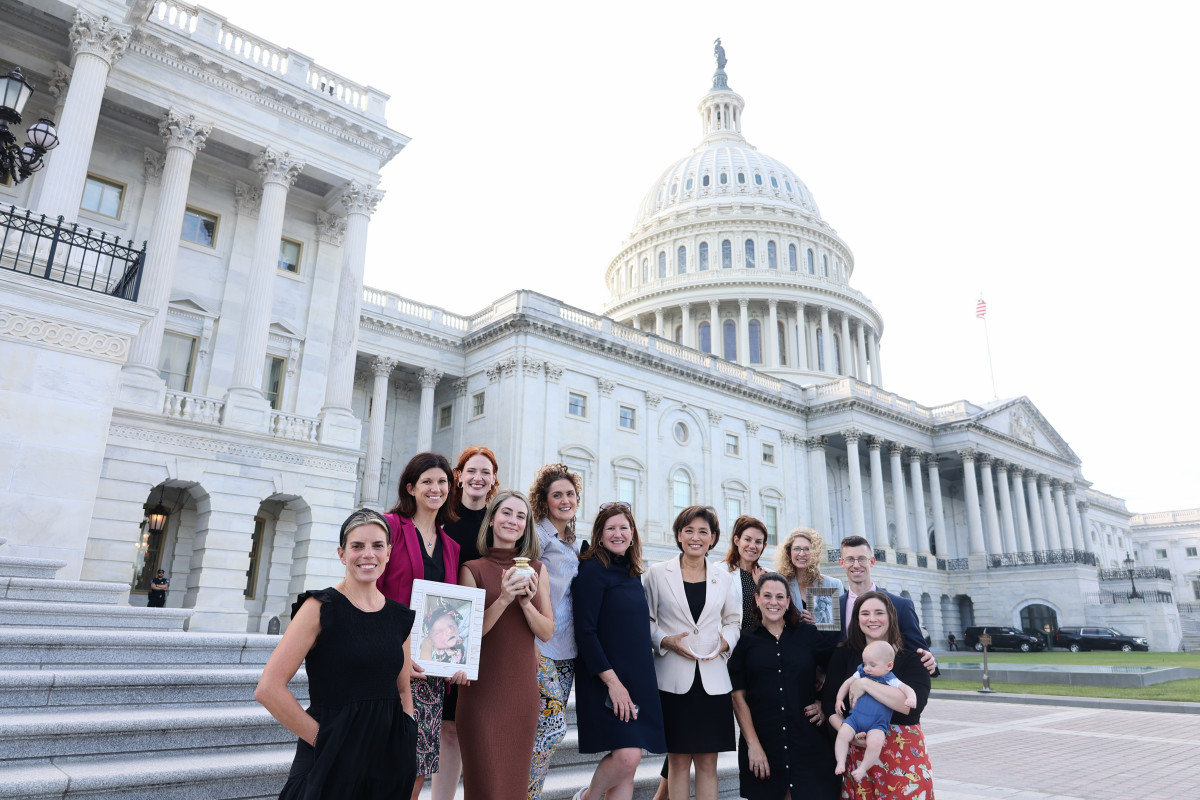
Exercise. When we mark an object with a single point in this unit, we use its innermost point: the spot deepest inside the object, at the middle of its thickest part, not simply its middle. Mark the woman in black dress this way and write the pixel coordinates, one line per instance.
(782, 755)
(617, 701)
(358, 738)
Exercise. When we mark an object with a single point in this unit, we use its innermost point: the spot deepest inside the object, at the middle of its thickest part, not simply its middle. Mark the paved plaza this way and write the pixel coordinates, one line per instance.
(986, 750)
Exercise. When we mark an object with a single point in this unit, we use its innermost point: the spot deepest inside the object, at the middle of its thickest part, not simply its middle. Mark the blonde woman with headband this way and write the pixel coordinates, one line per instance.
(798, 558)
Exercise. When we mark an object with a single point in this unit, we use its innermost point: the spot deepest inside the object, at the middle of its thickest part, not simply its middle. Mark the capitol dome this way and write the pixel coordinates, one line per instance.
(729, 255)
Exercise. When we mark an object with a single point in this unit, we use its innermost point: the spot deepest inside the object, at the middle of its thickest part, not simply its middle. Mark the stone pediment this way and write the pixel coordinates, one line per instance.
(1020, 420)
(188, 304)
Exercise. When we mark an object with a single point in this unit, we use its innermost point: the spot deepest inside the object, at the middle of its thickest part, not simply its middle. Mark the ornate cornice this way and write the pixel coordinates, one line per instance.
(815, 443)
(209, 444)
(752, 428)
(715, 417)
(64, 336)
(99, 37)
(653, 399)
(553, 372)
(331, 228)
(605, 387)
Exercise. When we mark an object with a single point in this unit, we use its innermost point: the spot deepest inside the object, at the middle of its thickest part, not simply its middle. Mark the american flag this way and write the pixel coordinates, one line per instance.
(981, 309)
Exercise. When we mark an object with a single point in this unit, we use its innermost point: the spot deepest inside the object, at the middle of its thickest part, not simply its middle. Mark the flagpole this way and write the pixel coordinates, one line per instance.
(981, 312)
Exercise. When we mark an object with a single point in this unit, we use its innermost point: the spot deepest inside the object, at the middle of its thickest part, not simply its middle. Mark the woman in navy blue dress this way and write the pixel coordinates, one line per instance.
(617, 698)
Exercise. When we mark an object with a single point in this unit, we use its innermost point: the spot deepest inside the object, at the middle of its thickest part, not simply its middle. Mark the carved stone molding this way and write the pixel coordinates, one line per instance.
(653, 399)
(274, 166)
(1020, 426)
(213, 445)
(895, 449)
(605, 387)
(382, 366)
(815, 443)
(1000, 466)
(915, 456)
(1043, 480)
(404, 392)
(360, 380)
(494, 372)
(509, 365)
(531, 366)
(874, 443)
(331, 228)
(152, 164)
(984, 459)
(852, 435)
(429, 378)
(752, 428)
(715, 417)
(553, 372)
(247, 199)
(786, 439)
(460, 387)
(359, 198)
(60, 81)
(98, 37)
(932, 460)
(968, 454)
(62, 336)
(178, 129)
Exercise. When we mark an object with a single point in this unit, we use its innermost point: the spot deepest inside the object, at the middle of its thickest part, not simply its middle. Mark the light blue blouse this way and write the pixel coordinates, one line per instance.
(562, 565)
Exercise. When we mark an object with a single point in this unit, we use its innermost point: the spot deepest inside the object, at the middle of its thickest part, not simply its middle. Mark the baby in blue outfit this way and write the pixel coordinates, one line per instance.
(868, 715)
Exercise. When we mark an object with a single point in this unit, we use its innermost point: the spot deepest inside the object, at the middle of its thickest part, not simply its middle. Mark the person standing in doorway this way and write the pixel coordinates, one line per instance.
(157, 596)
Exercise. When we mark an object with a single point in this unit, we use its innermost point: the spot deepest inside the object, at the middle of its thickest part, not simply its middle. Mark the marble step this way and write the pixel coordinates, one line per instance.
(25, 691)
(40, 568)
(22, 648)
(56, 591)
(40, 614)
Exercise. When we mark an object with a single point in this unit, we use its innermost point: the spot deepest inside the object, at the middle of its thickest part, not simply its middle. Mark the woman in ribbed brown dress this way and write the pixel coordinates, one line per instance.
(497, 714)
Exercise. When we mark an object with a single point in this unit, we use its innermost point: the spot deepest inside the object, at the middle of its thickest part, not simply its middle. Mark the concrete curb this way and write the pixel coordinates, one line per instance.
(1107, 703)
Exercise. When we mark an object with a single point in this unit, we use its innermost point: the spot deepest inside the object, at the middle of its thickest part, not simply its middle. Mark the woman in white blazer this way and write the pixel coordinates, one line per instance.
(695, 619)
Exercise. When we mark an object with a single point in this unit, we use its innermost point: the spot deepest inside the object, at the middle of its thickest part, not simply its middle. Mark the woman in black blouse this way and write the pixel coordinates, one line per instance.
(782, 755)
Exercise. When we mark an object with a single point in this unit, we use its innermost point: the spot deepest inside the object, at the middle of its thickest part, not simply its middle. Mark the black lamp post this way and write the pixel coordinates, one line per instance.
(1133, 592)
(18, 163)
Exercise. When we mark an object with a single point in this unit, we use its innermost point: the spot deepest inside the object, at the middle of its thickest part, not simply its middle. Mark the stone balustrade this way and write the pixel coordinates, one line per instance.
(294, 426)
(192, 407)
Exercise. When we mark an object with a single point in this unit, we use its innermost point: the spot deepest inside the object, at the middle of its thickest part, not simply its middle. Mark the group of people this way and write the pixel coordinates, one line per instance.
(662, 658)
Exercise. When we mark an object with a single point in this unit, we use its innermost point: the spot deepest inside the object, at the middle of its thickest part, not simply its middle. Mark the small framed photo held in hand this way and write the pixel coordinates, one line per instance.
(826, 611)
(448, 629)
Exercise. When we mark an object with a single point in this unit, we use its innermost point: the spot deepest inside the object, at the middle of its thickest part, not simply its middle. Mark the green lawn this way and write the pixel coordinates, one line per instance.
(1102, 657)
(1186, 691)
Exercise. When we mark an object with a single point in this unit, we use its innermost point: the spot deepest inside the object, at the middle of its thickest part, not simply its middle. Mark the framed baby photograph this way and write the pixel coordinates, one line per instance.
(448, 628)
(826, 610)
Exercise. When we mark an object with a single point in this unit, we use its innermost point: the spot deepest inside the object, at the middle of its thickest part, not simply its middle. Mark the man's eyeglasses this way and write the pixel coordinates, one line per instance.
(621, 504)
(856, 559)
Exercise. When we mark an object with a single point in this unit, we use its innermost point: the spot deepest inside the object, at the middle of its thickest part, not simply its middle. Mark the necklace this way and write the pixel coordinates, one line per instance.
(341, 587)
(430, 544)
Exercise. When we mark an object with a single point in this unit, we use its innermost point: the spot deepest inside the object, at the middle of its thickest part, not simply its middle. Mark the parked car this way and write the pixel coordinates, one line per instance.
(1075, 638)
(1002, 637)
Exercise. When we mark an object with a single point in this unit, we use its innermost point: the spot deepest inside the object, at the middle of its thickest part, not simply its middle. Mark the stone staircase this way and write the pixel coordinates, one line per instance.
(1190, 625)
(103, 701)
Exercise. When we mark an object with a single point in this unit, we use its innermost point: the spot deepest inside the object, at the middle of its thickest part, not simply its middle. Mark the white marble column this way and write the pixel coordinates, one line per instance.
(858, 520)
(1053, 541)
(878, 499)
(184, 137)
(245, 405)
(339, 426)
(899, 504)
(714, 328)
(1085, 523)
(994, 542)
(771, 335)
(846, 348)
(1035, 511)
(744, 331)
(971, 498)
(1020, 510)
(1060, 511)
(818, 482)
(97, 44)
(381, 367)
(935, 502)
(873, 354)
(827, 343)
(685, 312)
(801, 338)
(1006, 516)
(428, 378)
(658, 322)
(1077, 537)
(920, 533)
(861, 352)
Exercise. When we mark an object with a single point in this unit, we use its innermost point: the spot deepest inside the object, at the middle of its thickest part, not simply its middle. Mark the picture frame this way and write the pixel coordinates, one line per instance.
(826, 610)
(448, 629)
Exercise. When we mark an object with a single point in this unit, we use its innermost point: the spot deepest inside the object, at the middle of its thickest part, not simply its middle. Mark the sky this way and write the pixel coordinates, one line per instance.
(1042, 154)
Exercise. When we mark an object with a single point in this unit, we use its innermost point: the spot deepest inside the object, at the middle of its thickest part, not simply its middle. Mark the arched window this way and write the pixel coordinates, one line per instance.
(645, 270)
(705, 337)
(726, 254)
(811, 269)
(704, 181)
(788, 184)
(631, 276)
(724, 178)
(837, 354)
(681, 260)
(820, 350)
(749, 254)
(729, 335)
(674, 189)
(825, 266)
(741, 177)
(782, 344)
(662, 265)
(681, 491)
(689, 184)
(792, 257)
(755, 342)
(774, 183)
(678, 334)
(757, 179)
(772, 256)
(703, 256)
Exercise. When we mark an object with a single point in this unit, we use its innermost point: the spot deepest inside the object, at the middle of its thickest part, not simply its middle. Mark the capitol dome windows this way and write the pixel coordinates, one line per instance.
(811, 269)
(674, 189)
(774, 182)
(645, 270)
(788, 184)
(678, 334)
(662, 265)
(729, 334)
(772, 255)
(792, 257)
(705, 181)
(726, 254)
(690, 183)
(755, 342)
(749, 254)
(724, 178)
(757, 179)
(742, 178)
(705, 337)
(703, 256)
(681, 260)
(825, 266)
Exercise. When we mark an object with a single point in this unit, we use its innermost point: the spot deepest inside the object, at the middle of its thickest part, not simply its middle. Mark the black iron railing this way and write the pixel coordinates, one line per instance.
(902, 558)
(923, 562)
(1149, 573)
(1123, 598)
(1042, 557)
(942, 564)
(86, 258)
(958, 564)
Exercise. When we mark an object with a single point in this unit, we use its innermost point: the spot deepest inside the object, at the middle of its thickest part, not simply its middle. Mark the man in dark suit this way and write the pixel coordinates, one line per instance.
(857, 559)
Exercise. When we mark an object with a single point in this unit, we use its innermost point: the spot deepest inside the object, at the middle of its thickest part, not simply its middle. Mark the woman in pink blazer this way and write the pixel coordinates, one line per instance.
(695, 620)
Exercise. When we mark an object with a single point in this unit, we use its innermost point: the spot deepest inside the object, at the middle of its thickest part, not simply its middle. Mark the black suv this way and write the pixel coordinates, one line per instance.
(1002, 637)
(1077, 638)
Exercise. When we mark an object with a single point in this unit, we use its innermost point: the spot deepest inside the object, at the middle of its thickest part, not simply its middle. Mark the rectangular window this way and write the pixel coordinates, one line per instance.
(1160, 553)
(175, 361)
(768, 454)
(626, 490)
(273, 381)
(733, 510)
(477, 404)
(199, 227)
(102, 197)
(1190, 552)
(256, 540)
(577, 405)
(771, 520)
(289, 256)
(627, 418)
(733, 446)
(1196, 590)
(445, 416)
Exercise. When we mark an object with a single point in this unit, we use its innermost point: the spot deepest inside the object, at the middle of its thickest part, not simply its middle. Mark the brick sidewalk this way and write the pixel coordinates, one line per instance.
(994, 751)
